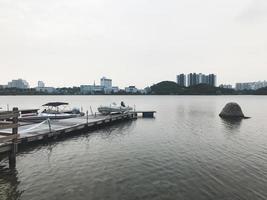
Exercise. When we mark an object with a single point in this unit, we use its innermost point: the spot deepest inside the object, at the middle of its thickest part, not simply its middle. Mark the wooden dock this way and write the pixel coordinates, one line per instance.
(14, 134)
(32, 133)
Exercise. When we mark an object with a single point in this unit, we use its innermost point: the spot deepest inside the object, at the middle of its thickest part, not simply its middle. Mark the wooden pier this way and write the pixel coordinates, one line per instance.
(32, 133)
(51, 129)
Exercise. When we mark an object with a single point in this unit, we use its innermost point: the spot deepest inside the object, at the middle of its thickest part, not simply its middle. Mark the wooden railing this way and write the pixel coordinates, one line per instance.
(9, 120)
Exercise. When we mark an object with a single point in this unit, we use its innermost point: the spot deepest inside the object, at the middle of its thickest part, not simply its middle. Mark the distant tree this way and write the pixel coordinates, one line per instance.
(261, 91)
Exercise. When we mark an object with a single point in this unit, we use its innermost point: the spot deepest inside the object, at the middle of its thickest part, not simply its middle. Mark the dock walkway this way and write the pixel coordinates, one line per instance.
(30, 133)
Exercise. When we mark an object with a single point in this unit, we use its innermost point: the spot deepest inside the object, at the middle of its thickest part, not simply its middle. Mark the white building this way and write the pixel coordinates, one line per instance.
(251, 85)
(41, 84)
(131, 89)
(19, 83)
(104, 87)
(115, 89)
(106, 83)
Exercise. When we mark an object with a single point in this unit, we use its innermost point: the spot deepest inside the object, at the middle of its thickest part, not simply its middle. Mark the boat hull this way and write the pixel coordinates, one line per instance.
(106, 110)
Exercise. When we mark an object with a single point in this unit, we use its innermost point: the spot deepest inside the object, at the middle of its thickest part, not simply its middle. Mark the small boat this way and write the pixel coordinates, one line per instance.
(114, 108)
(52, 111)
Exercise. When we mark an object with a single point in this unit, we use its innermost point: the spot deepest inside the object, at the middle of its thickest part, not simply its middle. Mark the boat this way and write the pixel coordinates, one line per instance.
(114, 108)
(52, 111)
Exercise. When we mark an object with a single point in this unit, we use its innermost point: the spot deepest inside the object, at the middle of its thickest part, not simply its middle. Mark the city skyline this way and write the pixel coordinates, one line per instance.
(71, 43)
(181, 79)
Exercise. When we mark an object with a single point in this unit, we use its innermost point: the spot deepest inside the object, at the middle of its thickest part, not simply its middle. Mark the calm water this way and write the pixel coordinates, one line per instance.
(186, 152)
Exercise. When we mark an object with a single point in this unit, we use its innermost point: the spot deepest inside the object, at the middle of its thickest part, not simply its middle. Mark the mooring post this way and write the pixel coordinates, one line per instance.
(14, 145)
(87, 117)
(49, 125)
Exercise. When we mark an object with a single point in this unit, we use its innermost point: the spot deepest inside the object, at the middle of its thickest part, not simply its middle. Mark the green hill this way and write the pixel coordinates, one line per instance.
(171, 88)
(167, 88)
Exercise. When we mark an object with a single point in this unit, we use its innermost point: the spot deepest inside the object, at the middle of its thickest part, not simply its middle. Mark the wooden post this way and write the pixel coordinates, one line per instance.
(14, 146)
(87, 117)
(49, 125)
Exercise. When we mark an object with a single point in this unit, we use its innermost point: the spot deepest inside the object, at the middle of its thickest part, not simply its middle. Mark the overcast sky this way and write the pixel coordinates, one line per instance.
(137, 42)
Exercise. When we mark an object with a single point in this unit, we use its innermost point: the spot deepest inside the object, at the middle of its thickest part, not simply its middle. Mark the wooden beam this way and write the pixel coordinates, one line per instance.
(8, 125)
(7, 138)
(8, 115)
(5, 134)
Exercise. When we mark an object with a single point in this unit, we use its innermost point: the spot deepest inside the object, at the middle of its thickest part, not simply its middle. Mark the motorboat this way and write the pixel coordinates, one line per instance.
(114, 108)
(52, 111)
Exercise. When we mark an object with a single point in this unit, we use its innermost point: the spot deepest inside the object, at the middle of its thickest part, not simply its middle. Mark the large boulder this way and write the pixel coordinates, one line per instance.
(232, 110)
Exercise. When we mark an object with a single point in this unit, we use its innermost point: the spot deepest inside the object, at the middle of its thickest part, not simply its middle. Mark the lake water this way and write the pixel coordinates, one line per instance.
(187, 152)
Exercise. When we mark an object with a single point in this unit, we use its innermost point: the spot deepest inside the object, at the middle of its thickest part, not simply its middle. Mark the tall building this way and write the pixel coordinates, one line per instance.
(106, 83)
(192, 79)
(181, 80)
(19, 83)
(195, 79)
(212, 80)
(41, 84)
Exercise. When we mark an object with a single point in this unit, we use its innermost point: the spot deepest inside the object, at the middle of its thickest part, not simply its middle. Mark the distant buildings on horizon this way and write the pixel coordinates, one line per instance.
(19, 83)
(246, 86)
(195, 79)
(106, 86)
(251, 85)
(226, 86)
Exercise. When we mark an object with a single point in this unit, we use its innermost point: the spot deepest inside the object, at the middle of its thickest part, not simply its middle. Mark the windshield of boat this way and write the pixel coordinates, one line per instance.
(56, 109)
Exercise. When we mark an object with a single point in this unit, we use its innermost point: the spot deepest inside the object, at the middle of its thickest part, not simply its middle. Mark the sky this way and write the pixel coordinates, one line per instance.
(137, 42)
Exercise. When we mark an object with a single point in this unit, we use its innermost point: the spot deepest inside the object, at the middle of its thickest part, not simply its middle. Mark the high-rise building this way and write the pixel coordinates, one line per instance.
(212, 80)
(195, 79)
(106, 83)
(181, 80)
(19, 83)
(192, 79)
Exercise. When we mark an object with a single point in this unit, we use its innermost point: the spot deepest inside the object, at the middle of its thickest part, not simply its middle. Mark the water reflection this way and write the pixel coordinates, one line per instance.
(232, 124)
(9, 184)
(120, 129)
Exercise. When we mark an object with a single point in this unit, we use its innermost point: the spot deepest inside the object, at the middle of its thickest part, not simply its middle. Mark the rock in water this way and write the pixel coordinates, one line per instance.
(232, 110)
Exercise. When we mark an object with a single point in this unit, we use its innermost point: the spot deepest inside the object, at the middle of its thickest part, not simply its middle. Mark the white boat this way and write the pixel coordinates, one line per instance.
(52, 112)
(114, 108)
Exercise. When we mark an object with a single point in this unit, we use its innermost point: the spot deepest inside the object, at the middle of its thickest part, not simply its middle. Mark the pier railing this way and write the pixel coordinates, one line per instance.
(9, 120)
